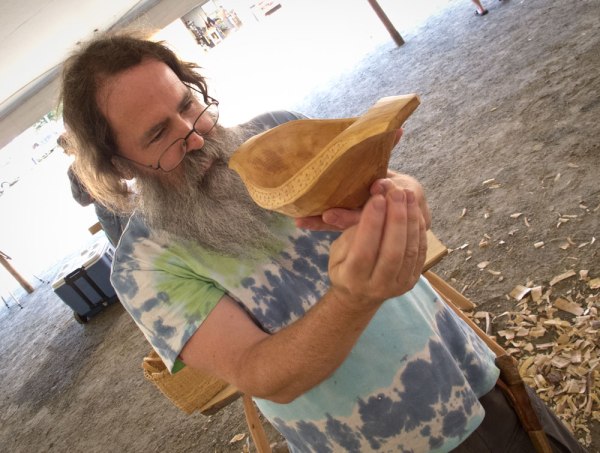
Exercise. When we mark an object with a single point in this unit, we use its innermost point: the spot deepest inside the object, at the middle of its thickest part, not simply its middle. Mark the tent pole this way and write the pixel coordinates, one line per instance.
(388, 24)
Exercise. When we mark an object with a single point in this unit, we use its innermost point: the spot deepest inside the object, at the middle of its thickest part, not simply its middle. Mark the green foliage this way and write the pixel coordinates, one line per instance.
(51, 116)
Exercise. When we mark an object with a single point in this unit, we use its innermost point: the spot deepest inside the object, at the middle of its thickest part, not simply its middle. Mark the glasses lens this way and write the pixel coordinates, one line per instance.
(173, 155)
(207, 120)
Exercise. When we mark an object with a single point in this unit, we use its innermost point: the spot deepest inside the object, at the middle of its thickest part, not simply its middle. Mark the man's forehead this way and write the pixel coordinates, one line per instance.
(149, 74)
(138, 98)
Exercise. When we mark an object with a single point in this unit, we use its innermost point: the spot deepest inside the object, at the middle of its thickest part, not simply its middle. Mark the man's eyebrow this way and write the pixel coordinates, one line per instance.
(187, 97)
(150, 133)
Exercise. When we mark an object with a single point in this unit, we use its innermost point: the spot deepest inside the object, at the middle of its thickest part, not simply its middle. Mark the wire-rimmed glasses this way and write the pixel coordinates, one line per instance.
(173, 155)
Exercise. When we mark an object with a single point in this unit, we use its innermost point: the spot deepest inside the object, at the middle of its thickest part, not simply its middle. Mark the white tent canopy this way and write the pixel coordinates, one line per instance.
(37, 36)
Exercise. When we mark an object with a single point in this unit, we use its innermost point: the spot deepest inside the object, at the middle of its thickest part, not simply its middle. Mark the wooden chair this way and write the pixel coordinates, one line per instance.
(213, 394)
(95, 228)
(191, 390)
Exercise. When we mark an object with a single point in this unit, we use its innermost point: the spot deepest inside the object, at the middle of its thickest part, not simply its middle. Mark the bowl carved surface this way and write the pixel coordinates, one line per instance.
(304, 167)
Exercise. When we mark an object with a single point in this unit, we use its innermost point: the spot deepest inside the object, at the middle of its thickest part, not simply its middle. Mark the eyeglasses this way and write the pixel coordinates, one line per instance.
(173, 155)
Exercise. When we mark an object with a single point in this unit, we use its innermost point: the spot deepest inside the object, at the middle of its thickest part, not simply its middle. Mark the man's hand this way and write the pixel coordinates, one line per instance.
(399, 180)
(341, 219)
(382, 256)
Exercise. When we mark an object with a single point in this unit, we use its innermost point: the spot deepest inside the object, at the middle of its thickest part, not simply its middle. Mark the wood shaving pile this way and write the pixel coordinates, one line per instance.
(556, 339)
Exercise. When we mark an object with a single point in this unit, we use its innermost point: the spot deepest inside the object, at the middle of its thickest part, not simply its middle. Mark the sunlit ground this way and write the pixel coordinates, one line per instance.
(272, 64)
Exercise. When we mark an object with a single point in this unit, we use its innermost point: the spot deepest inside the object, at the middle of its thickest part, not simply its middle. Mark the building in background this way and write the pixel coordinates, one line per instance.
(264, 8)
(211, 23)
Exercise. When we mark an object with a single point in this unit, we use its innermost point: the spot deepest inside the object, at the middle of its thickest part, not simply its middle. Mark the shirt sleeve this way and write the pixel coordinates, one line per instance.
(165, 297)
(275, 118)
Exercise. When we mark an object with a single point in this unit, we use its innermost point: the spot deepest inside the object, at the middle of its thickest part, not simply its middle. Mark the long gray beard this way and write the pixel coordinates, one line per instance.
(210, 207)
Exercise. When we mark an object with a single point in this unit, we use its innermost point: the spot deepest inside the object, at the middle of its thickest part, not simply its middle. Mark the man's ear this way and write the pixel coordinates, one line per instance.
(123, 169)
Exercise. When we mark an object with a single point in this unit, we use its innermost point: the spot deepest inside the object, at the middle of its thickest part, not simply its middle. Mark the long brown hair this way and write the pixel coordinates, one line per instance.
(83, 75)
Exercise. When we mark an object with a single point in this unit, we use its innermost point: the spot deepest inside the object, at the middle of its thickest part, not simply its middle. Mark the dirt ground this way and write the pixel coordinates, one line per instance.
(513, 96)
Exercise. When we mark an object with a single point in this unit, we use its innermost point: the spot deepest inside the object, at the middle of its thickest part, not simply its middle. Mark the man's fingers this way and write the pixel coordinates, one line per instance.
(422, 249)
(401, 248)
(384, 254)
(426, 214)
(382, 186)
(309, 223)
(341, 218)
(335, 219)
(413, 238)
(363, 253)
(393, 244)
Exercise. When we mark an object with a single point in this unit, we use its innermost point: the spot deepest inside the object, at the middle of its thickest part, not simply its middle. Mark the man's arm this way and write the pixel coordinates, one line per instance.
(378, 258)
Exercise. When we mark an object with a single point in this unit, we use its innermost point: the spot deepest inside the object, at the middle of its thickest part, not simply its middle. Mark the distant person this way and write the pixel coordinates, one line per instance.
(210, 22)
(224, 16)
(480, 11)
(112, 223)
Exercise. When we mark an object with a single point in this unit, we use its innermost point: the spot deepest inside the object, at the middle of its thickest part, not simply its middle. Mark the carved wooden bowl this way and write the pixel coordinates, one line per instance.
(304, 167)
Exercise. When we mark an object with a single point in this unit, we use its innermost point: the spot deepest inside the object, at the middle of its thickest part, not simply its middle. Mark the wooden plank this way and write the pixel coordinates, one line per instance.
(498, 350)
(448, 293)
(257, 431)
(225, 397)
(95, 228)
(435, 251)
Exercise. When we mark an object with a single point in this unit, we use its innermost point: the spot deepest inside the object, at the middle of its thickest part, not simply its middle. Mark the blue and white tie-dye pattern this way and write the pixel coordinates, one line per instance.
(411, 383)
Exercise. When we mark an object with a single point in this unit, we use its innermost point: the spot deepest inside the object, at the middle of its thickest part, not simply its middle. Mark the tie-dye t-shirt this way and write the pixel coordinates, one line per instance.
(411, 383)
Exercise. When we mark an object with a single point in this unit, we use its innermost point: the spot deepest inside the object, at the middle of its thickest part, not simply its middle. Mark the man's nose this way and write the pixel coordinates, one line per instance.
(194, 140)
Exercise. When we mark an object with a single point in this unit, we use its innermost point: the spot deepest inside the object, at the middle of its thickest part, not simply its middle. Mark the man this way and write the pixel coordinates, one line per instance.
(341, 342)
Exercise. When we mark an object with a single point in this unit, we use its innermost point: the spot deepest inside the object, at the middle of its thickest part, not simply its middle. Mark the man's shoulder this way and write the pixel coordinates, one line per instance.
(275, 118)
(135, 233)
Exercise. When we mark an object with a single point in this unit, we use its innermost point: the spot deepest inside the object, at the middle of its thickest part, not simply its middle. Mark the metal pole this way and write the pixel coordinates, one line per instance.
(388, 24)
(24, 283)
